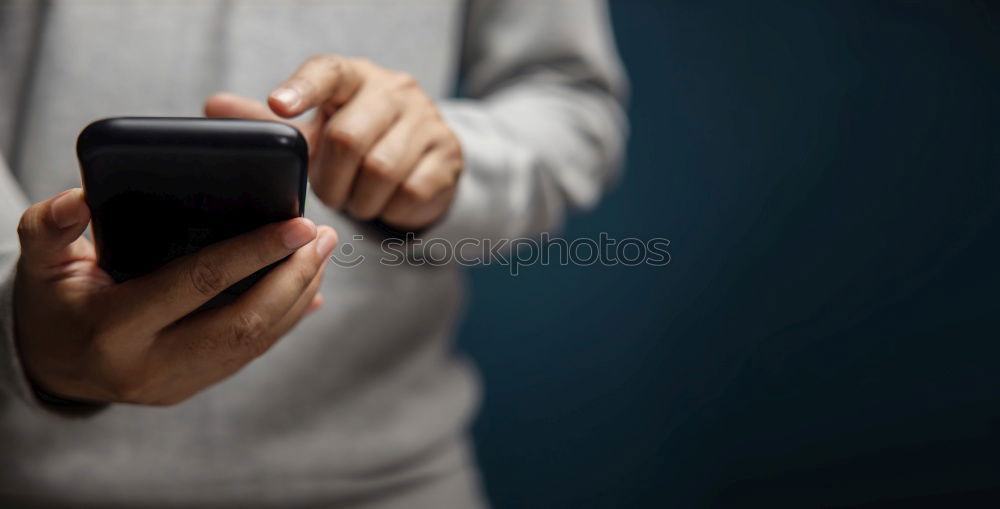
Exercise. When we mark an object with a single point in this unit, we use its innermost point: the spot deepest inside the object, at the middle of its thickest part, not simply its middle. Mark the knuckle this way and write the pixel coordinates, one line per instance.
(23, 228)
(449, 142)
(206, 277)
(455, 164)
(449, 149)
(457, 158)
(441, 132)
(333, 64)
(443, 182)
(422, 102)
(416, 191)
(379, 167)
(323, 59)
(404, 81)
(248, 334)
(29, 222)
(342, 138)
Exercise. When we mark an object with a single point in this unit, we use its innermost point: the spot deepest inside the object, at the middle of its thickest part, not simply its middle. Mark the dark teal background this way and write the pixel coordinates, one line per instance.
(827, 173)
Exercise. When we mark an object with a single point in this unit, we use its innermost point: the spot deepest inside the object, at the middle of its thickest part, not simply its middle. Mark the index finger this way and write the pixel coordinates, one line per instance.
(155, 300)
(216, 342)
(320, 79)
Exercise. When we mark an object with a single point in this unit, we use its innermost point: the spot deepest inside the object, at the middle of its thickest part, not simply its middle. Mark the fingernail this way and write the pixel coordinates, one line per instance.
(287, 96)
(327, 240)
(69, 209)
(299, 234)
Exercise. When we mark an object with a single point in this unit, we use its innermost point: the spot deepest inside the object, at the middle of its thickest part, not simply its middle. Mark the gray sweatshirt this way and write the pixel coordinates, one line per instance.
(365, 403)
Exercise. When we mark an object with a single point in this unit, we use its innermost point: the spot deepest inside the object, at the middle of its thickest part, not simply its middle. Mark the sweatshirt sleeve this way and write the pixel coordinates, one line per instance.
(540, 121)
(13, 383)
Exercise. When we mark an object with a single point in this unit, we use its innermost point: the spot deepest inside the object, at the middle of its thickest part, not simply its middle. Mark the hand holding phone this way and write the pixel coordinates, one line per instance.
(84, 337)
(184, 210)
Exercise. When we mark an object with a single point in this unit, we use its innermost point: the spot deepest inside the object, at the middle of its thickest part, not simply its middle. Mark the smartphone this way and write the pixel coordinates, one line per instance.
(161, 188)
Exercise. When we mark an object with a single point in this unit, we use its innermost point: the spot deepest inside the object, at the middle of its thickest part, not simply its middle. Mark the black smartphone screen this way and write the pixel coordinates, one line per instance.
(160, 188)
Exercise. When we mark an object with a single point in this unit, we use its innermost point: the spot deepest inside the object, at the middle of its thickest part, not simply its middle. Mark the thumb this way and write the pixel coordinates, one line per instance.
(47, 229)
(225, 105)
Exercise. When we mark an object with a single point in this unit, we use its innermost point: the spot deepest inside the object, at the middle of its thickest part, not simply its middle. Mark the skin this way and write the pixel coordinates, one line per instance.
(379, 148)
(82, 336)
